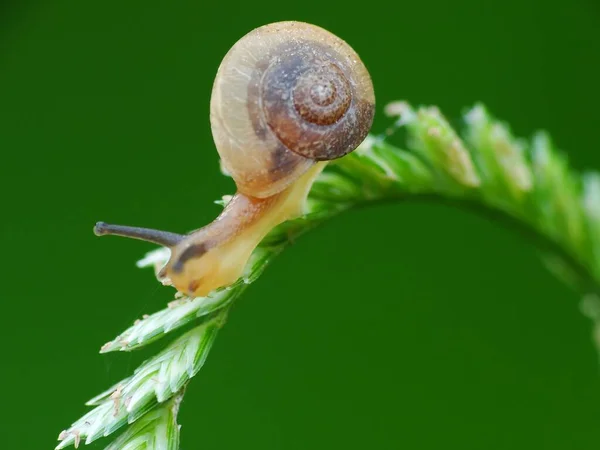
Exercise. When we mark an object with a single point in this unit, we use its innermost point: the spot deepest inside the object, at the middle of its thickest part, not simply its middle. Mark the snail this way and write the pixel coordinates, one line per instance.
(287, 98)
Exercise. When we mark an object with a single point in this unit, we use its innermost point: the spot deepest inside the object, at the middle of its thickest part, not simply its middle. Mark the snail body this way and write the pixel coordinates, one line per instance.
(287, 98)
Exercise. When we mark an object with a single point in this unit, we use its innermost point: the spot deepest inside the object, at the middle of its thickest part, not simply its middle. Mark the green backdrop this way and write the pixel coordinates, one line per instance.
(408, 326)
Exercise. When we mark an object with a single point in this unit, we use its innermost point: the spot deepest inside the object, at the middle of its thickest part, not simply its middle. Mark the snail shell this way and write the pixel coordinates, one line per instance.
(286, 95)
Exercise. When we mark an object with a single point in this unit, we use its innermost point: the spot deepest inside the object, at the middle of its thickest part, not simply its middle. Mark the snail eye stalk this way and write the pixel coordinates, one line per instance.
(164, 238)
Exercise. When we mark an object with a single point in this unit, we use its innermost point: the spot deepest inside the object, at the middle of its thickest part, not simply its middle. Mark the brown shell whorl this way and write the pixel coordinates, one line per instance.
(305, 95)
(309, 101)
(322, 95)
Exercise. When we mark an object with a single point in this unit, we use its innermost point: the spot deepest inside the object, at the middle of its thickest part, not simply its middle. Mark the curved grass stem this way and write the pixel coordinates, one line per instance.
(526, 185)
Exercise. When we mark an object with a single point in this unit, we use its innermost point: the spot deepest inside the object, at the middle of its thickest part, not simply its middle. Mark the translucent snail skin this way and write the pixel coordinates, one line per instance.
(287, 98)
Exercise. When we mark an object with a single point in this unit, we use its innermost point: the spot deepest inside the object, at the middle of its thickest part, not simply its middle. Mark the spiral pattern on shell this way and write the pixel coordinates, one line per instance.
(286, 95)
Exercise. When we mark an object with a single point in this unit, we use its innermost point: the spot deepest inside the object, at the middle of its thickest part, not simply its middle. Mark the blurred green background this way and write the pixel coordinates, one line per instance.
(467, 342)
